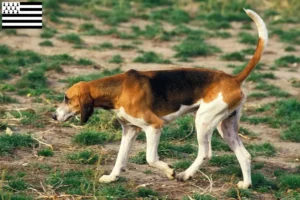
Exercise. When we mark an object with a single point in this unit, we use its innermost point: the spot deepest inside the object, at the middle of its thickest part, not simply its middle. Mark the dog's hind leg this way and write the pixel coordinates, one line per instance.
(228, 129)
(153, 136)
(207, 118)
(128, 137)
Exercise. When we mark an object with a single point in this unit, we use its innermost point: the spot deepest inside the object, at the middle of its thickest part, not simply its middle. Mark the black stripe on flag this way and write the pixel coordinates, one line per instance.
(31, 3)
(22, 27)
(30, 9)
(22, 21)
(22, 15)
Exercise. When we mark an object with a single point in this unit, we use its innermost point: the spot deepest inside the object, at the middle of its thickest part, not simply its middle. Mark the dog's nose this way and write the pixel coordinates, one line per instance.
(54, 116)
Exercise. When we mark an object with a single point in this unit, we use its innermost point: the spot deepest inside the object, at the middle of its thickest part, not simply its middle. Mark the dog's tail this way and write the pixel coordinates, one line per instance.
(261, 44)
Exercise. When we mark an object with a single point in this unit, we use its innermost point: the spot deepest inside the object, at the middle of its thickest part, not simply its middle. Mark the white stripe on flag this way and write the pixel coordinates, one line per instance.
(21, 18)
(30, 6)
(30, 12)
(21, 24)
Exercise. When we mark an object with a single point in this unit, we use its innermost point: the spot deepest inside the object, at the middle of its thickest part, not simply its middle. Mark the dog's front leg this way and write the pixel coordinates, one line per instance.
(128, 137)
(153, 136)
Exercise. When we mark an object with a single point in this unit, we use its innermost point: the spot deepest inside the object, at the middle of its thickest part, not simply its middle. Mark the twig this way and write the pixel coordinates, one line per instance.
(191, 132)
(209, 179)
(49, 145)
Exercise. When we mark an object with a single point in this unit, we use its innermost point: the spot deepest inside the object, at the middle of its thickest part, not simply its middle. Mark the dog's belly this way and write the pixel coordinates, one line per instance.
(182, 111)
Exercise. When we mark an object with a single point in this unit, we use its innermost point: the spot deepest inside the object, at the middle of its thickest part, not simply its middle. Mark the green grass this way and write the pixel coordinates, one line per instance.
(6, 99)
(169, 150)
(232, 169)
(289, 181)
(71, 38)
(10, 32)
(246, 26)
(46, 152)
(192, 47)
(87, 137)
(150, 31)
(218, 143)
(115, 191)
(281, 114)
(4, 50)
(233, 193)
(223, 160)
(183, 164)
(72, 80)
(29, 118)
(48, 33)
(126, 47)
(147, 193)
(84, 62)
(249, 51)
(222, 34)
(9, 143)
(151, 57)
(261, 183)
(106, 45)
(216, 25)
(197, 196)
(171, 15)
(290, 49)
(265, 149)
(271, 90)
(140, 158)
(46, 43)
(247, 38)
(291, 36)
(83, 157)
(223, 11)
(239, 56)
(286, 61)
(75, 181)
(35, 80)
(116, 59)
(115, 16)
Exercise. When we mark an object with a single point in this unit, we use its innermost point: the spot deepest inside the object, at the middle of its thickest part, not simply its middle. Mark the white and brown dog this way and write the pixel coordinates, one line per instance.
(149, 99)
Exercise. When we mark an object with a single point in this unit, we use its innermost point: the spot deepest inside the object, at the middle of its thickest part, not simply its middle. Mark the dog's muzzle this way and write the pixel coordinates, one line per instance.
(54, 116)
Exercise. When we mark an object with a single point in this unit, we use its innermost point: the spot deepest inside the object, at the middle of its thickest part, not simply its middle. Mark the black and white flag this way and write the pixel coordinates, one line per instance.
(26, 15)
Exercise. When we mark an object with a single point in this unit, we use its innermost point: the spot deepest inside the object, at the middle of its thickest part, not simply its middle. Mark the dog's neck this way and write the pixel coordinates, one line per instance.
(110, 89)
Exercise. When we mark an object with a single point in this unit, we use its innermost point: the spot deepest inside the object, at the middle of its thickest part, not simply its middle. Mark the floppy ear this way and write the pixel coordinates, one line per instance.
(86, 103)
(86, 110)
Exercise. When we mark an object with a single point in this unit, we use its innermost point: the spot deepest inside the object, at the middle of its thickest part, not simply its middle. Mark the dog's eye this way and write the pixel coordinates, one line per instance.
(66, 99)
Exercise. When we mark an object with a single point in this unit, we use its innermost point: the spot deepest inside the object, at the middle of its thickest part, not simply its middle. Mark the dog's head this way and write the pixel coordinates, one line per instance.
(77, 100)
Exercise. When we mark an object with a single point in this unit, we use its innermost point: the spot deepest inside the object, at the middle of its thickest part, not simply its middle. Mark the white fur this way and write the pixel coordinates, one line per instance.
(182, 110)
(63, 112)
(128, 137)
(153, 136)
(139, 122)
(207, 118)
(228, 129)
(261, 26)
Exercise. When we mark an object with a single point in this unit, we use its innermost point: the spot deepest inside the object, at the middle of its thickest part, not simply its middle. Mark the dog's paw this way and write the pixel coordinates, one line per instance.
(183, 176)
(107, 178)
(172, 174)
(243, 185)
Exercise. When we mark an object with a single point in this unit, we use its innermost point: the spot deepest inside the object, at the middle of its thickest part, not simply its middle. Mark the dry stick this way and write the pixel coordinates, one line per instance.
(191, 132)
(49, 145)
(209, 179)
(244, 136)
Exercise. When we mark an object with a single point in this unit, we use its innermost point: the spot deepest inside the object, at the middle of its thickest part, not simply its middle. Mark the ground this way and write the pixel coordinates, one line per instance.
(86, 40)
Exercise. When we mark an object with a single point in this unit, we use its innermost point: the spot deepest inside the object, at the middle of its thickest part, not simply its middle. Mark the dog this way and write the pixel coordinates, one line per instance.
(146, 100)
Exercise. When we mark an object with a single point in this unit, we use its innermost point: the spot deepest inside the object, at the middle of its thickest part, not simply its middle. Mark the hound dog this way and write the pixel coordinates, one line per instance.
(149, 99)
